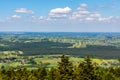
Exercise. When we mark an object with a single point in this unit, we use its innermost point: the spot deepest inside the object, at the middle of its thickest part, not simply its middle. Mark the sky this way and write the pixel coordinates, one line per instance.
(60, 15)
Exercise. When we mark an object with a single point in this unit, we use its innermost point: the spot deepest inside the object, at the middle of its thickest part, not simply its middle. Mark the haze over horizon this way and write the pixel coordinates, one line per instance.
(60, 15)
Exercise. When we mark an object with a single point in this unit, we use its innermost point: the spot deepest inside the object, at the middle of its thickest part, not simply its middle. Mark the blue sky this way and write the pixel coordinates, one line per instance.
(60, 15)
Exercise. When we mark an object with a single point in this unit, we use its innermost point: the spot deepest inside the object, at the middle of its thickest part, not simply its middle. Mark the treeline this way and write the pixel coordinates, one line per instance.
(87, 70)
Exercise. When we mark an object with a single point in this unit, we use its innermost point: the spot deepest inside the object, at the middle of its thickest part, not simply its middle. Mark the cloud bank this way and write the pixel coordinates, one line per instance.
(65, 14)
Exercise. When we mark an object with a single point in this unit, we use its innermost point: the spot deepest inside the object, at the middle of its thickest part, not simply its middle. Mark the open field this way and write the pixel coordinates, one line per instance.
(32, 50)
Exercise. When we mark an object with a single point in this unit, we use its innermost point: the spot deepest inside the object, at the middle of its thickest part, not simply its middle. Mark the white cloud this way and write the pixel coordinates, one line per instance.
(58, 16)
(89, 19)
(83, 5)
(84, 12)
(24, 10)
(41, 18)
(95, 15)
(37, 19)
(60, 12)
(81, 9)
(33, 17)
(81, 15)
(16, 16)
(107, 19)
(81, 12)
(76, 15)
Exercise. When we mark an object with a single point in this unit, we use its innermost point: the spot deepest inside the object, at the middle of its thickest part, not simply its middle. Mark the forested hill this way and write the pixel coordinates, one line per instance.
(102, 45)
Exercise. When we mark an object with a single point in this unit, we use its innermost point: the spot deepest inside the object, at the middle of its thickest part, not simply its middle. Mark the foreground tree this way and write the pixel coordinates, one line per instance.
(65, 68)
(87, 70)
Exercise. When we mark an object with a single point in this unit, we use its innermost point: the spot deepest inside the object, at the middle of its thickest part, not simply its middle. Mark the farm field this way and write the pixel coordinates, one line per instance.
(32, 50)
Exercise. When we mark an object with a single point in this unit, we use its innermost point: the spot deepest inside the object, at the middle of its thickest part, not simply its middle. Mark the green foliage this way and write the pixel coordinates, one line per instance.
(86, 70)
(53, 74)
(119, 59)
(65, 68)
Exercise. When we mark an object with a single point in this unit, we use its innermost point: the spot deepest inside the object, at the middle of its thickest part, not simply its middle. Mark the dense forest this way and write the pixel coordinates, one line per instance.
(86, 70)
(101, 45)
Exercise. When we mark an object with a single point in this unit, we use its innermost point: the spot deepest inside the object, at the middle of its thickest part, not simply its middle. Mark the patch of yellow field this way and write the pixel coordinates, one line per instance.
(14, 64)
(55, 55)
(1, 64)
(75, 59)
(54, 60)
(27, 64)
(99, 61)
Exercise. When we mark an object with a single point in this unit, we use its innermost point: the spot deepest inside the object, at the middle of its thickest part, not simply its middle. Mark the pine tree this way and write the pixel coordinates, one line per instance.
(53, 74)
(41, 73)
(87, 70)
(65, 68)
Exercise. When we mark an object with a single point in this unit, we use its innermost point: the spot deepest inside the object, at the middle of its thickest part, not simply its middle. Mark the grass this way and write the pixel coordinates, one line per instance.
(52, 61)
